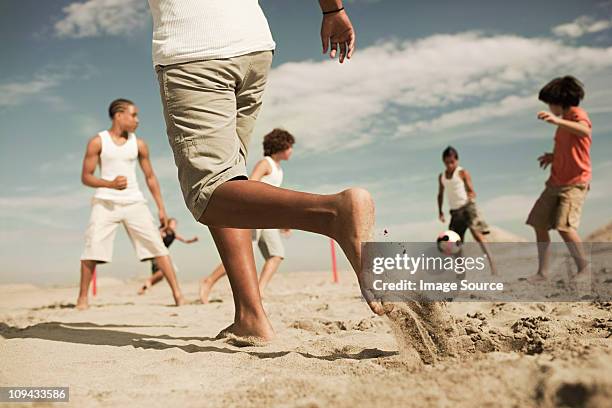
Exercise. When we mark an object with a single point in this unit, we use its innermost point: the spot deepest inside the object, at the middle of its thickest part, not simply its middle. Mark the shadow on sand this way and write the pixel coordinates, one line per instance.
(101, 335)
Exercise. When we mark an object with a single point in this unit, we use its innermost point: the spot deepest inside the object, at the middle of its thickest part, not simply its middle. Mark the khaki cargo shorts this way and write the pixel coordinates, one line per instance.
(139, 223)
(269, 243)
(210, 108)
(558, 208)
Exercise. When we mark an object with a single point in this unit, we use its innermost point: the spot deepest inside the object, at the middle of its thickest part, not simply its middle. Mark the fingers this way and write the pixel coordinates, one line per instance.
(334, 49)
(351, 45)
(324, 42)
(342, 51)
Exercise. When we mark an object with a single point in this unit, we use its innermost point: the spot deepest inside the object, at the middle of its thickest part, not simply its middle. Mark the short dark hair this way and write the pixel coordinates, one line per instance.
(277, 141)
(565, 91)
(118, 105)
(450, 151)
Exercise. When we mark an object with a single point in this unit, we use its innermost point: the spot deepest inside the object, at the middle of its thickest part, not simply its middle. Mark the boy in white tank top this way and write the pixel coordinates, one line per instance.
(456, 182)
(118, 199)
(278, 146)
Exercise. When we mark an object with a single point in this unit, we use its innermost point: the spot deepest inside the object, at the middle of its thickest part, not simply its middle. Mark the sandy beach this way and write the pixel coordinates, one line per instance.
(130, 350)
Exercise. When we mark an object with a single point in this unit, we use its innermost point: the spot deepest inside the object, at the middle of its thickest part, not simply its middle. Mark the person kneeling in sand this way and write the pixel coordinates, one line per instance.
(278, 146)
(169, 234)
(118, 199)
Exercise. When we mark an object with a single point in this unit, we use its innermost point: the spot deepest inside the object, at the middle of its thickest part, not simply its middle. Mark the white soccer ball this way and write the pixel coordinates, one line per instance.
(449, 242)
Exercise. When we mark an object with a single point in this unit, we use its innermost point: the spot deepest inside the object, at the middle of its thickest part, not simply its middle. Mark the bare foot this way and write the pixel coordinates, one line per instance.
(143, 289)
(353, 226)
(583, 275)
(256, 329)
(225, 332)
(179, 300)
(82, 304)
(205, 288)
(538, 277)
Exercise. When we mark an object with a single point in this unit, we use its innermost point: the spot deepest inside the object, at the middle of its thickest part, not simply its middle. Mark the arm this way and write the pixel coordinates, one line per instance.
(440, 198)
(152, 183)
(580, 128)
(467, 180)
(262, 168)
(184, 240)
(336, 28)
(90, 162)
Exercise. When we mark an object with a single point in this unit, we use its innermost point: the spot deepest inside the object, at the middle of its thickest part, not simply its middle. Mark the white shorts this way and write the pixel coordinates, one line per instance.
(138, 222)
(269, 242)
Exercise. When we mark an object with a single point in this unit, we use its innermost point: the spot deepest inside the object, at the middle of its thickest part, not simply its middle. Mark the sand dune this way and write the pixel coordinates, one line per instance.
(603, 234)
(330, 351)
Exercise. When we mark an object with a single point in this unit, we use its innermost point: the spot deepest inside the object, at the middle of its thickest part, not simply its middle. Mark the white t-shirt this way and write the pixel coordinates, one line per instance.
(192, 30)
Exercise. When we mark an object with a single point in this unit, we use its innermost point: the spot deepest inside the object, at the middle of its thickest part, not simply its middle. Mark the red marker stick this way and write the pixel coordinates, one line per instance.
(334, 266)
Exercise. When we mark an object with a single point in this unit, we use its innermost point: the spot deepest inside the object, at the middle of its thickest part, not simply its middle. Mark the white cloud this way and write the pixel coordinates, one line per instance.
(16, 92)
(98, 17)
(38, 87)
(432, 84)
(461, 117)
(581, 26)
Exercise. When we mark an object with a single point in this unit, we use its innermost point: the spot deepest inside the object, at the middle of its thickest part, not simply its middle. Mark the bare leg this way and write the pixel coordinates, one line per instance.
(574, 244)
(165, 266)
(483, 245)
(268, 270)
(87, 268)
(151, 280)
(234, 246)
(207, 283)
(543, 242)
(347, 217)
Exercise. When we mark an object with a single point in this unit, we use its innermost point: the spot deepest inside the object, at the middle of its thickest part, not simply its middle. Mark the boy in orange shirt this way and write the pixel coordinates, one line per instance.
(560, 205)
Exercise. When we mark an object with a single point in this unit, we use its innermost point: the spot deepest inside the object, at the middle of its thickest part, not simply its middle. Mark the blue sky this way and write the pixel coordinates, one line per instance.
(425, 75)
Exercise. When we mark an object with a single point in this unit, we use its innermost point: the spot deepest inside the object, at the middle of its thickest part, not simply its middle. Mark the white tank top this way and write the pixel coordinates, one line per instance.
(455, 189)
(192, 30)
(116, 161)
(275, 178)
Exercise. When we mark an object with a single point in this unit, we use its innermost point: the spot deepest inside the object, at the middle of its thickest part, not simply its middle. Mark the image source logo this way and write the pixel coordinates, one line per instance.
(406, 271)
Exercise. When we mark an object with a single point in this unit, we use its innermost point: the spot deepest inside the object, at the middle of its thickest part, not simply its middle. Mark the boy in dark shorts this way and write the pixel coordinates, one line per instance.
(560, 204)
(457, 183)
(168, 235)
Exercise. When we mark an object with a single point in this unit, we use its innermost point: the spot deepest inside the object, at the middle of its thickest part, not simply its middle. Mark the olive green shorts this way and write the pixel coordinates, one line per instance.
(558, 208)
(210, 108)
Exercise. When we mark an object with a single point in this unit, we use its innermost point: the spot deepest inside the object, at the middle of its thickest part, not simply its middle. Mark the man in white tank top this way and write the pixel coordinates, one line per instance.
(118, 199)
(278, 146)
(212, 59)
(456, 182)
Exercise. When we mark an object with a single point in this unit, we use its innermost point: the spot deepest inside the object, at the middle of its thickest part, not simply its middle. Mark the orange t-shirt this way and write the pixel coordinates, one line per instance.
(572, 155)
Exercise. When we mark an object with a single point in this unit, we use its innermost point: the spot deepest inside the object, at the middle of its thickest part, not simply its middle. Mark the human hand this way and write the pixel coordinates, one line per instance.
(337, 30)
(163, 219)
(548, 117)
(441, 217)
(545, 160)
(119, 183)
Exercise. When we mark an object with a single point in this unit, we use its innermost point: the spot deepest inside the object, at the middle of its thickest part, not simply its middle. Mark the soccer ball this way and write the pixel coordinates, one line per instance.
(449, 242)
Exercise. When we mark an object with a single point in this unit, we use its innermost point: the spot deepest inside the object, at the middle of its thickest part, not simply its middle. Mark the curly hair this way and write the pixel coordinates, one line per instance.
(277, 141)
(564, 91)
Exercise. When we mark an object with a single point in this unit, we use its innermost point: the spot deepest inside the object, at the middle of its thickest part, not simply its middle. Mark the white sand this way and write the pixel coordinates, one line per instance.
(136, 351)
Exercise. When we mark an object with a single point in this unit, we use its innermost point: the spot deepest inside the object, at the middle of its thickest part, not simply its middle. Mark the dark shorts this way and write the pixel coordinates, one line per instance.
(466, 217)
